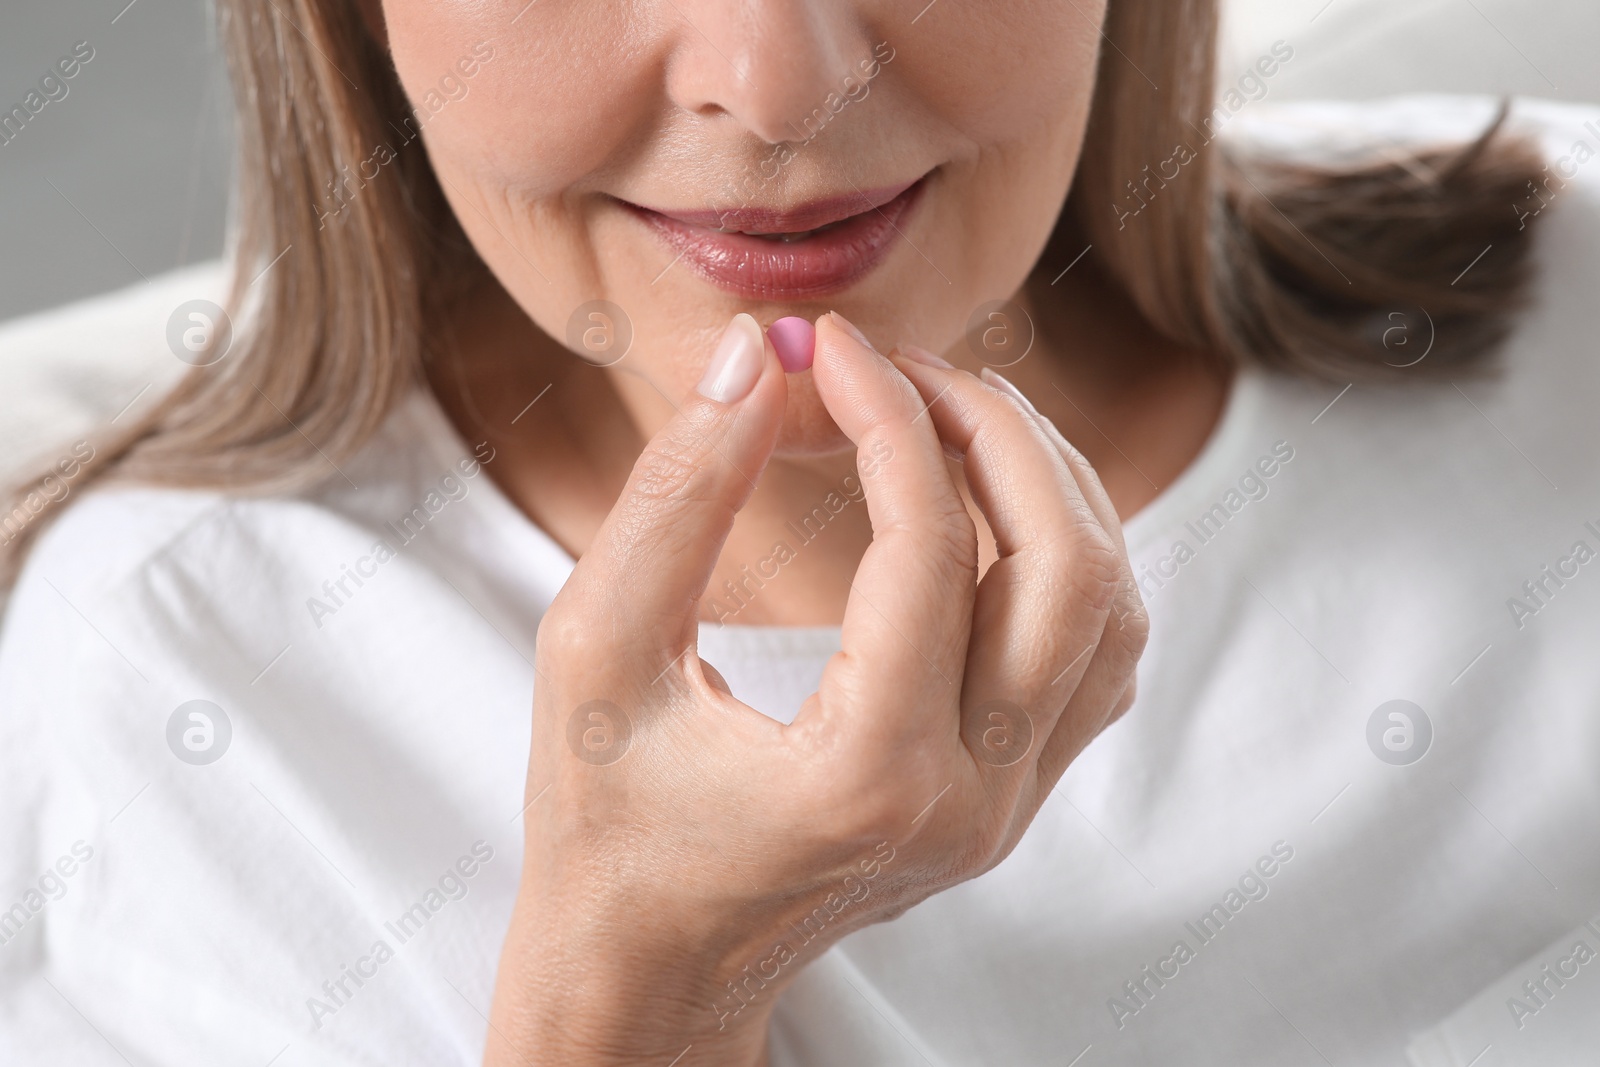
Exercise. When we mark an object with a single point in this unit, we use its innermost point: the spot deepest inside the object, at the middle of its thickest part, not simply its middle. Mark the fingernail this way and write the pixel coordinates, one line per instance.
(795, 341)
(923, 356)
(849, 327)
(995, 380)
(736, 364)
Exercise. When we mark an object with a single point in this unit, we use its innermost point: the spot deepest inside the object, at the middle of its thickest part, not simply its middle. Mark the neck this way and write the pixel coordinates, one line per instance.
(1138, 406)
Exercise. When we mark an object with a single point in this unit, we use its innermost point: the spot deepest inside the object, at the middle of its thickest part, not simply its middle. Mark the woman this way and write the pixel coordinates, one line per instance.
(267, 683)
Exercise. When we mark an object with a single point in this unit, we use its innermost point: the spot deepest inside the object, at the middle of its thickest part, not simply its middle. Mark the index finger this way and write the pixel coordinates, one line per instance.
(641, 579)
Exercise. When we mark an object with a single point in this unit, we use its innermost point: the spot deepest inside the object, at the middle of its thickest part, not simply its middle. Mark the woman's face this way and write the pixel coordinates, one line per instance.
(610, 151)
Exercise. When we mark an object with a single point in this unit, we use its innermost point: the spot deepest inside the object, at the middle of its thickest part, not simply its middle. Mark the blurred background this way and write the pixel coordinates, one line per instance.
(126, 176)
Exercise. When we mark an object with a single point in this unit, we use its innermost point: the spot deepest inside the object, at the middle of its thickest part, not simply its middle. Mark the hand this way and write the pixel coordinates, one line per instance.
(690, 854)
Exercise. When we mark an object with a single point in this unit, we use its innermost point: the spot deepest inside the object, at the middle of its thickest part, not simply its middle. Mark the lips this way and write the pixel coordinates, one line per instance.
(818, 248)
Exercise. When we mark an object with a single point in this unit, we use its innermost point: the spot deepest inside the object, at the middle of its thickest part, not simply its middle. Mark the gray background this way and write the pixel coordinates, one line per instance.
(139, 149)
(126, 177)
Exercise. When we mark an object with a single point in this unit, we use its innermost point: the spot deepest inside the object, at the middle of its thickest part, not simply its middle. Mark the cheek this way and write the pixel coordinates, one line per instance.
(1002, 72)
(1016, 82)
(517, 150)
(525, 121)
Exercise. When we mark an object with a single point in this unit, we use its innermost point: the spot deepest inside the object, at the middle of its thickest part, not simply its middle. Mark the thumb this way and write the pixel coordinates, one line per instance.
(642, 577)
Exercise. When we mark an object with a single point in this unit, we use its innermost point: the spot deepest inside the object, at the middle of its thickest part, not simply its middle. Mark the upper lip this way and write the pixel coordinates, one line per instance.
(812, 215)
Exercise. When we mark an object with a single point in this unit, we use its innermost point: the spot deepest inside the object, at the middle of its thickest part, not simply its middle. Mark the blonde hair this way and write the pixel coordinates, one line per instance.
(1253, 262)
(1287, 266)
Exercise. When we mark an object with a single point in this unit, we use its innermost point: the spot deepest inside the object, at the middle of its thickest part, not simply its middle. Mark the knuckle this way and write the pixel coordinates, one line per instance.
(1094, 557)
(667, 471)
(968, 858)
(954, 537)
(948, 539)
(1133, 624)
(562, 633)
(986, 846)
(1084, 567)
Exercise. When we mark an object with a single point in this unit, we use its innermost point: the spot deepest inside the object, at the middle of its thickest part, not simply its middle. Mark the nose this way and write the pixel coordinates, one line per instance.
(769, 66)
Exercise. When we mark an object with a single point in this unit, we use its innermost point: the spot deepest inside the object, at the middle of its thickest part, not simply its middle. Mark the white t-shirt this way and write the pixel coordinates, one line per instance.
(1252, 867)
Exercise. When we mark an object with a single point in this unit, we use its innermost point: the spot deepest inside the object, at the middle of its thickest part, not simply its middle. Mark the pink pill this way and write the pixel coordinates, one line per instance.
(795, 340)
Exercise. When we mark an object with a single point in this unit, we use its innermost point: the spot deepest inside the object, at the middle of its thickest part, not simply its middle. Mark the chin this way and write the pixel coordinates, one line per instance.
(808, 430)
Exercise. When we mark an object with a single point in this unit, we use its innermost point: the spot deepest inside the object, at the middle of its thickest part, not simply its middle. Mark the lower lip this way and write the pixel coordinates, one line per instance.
(763, 269)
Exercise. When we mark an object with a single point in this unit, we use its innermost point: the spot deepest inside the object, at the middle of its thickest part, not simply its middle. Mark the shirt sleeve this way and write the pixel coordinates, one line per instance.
(40, 868)
(173, 887)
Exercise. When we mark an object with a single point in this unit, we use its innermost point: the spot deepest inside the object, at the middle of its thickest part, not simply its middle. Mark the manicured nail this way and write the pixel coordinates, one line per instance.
(993, 379)
(923, 356)
(736, 364)
(795, 341)
(849, 327)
